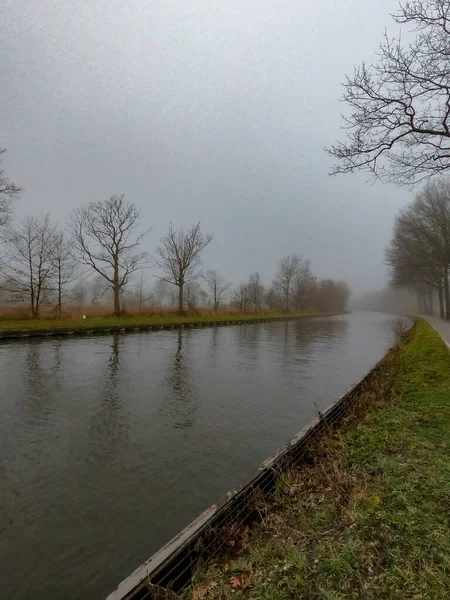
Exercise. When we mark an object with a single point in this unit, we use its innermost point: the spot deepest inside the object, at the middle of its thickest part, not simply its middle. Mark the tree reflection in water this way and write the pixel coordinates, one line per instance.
(180, 404)
(109, 431)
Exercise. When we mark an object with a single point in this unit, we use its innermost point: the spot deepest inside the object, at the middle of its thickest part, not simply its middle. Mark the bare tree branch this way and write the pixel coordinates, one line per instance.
(398, 128)
(179, 257)
(106, 240)
(8, 191)
(29, 270)
(218, 287)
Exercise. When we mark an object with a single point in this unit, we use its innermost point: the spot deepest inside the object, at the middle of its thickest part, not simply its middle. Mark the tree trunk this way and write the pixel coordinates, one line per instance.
(181, 298)
(116, 287)
(426, 306)
(441, 301)
(116, 300)
(58, 308)
(420, 301)
(446, 295)
(431, 300)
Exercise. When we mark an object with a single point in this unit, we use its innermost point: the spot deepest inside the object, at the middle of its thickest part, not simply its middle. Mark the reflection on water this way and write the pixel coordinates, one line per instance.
(109, 445)
(179, 403)
(108, 430)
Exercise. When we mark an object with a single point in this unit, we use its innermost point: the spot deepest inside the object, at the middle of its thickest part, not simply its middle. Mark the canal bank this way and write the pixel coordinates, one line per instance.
(24, 329)
(111, 444)
(365, 515)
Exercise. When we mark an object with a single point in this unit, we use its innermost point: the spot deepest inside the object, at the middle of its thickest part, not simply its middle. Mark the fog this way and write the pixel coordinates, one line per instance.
(215, 112)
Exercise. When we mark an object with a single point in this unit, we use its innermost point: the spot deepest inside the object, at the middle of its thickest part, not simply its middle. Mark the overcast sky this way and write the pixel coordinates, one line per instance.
(213, 111)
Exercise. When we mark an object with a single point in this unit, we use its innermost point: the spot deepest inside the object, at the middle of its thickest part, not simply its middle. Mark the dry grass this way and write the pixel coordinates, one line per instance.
(101, 317)
(19, 312)
(370, 517)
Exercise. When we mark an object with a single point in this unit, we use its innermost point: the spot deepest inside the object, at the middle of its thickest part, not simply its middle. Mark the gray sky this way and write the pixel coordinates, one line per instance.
(214, 111)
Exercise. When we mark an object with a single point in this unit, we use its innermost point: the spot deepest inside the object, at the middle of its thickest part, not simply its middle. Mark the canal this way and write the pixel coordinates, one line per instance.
(109, 445)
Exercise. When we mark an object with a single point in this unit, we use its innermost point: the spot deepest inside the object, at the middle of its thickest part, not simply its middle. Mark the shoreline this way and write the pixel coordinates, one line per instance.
(96, 326)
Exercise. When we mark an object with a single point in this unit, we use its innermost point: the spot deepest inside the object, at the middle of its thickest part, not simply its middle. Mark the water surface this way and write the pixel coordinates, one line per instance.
(109, 445)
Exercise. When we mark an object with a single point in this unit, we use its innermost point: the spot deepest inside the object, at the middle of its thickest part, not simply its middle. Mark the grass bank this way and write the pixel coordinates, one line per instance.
(9, 325)
(369, 516)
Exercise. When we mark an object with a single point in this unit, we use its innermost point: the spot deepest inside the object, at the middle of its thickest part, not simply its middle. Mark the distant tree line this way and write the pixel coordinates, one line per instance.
(96, 258)
(419, 253)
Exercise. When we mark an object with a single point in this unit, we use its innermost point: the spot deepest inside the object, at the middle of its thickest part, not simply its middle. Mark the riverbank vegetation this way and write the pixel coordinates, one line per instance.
(369, 515)
(136, 320)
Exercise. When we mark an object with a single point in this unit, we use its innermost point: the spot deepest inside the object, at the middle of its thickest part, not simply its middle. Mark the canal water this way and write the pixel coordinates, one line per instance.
(109, 445)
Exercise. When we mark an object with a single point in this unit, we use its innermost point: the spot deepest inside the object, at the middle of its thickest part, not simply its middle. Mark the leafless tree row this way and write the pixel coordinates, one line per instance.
(419, 253)
(97, 256)
(294, 289)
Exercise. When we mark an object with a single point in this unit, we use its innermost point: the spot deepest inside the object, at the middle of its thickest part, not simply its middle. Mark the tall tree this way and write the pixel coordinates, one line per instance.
(179, 257)
(218, 287)
(106, 238)
(398, 128)
(29, 270)
(419, 252)
(8, 191)
(64, 266)
(240, 297)
(303, 285)
(255, 290)
(288, 269)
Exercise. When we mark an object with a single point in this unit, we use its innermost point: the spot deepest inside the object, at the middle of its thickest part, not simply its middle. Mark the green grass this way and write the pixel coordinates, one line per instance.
(134, 320)
(370, 517)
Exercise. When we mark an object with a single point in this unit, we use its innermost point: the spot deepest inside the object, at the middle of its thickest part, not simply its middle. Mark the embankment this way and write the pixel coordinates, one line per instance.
(102, 325)
(359, 510)
(369, 516)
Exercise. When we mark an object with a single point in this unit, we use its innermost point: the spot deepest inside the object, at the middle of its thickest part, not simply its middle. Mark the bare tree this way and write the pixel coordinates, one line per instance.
(255, 290)
(8, 191)
(106, 239)
(240, 297)
(288, 268)
(411, 264)
(331, 295)
(79, 293)
(29, 269)
(303, 286)
(193, 292)
(161, 292)
(140, 293)
(218, 287)
(64, 266)
(398, 128)
(419, 252)
(179, 257)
